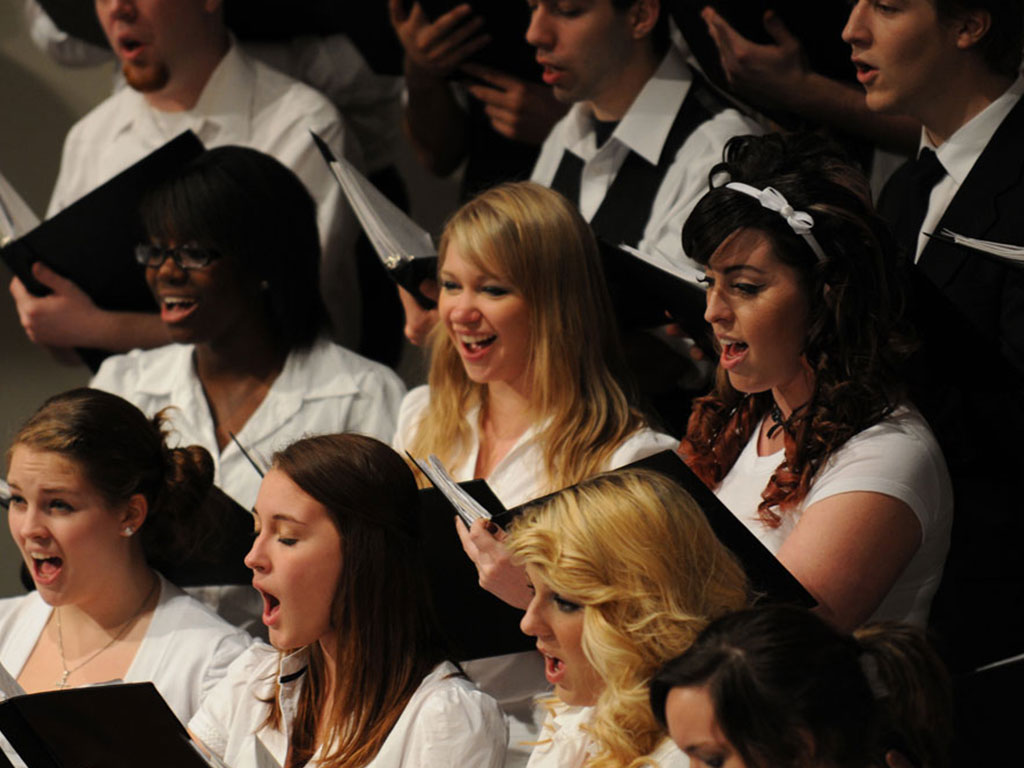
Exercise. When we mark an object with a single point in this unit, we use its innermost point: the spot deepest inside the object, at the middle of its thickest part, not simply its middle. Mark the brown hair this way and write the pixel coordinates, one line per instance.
(122, 453)
(857, 337)
(388, 639)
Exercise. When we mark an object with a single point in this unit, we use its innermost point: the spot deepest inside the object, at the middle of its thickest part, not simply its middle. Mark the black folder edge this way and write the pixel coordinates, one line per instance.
(411, 272)
(117, 726)
(506, 23)
(92, 241)
(642, 293)
(479, 624)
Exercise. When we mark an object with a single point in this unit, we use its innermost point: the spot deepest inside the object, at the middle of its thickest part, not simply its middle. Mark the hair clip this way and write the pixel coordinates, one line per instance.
(800, 222)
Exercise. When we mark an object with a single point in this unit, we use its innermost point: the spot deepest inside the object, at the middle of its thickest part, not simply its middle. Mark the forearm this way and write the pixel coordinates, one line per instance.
(434, 121)
(841, 106)
(124, 331)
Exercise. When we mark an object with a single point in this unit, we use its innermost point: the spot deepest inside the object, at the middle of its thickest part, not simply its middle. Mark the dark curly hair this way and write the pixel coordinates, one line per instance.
(857, 337)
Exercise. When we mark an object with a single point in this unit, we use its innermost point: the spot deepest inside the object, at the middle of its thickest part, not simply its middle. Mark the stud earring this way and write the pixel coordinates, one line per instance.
(128, 531)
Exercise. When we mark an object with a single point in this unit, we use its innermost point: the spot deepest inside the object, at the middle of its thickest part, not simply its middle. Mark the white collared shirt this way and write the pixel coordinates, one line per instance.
(644, 129)
(243, 103)
(186, 650)
(447, 721)
(520, 475)
(321, 390)
(564, 742)
(959, 153)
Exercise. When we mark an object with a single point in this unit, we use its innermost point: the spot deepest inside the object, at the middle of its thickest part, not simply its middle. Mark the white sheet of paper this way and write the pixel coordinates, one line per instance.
(263, 757)
(469, 509)
(16, 218)
(1013, 253)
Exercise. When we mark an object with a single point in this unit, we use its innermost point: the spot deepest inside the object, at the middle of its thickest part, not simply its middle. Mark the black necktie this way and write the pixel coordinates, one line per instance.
(926, 172)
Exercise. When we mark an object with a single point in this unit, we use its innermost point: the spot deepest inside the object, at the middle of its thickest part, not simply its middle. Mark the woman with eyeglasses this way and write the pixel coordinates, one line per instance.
(232, 260)
(808, 436)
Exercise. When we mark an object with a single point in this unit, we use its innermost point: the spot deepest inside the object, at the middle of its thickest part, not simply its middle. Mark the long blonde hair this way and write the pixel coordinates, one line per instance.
(536, 239)
(636, 552)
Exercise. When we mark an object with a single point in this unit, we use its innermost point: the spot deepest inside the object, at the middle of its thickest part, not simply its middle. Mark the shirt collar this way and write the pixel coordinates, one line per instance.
(223, 110)
(646, 124)
(961, 150)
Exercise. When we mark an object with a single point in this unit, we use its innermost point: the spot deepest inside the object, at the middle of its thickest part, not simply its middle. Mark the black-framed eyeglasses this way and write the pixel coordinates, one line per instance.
(185, 256)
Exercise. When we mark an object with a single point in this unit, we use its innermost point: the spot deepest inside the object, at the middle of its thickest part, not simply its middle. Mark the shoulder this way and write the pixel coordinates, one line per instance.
(641, 444)
(188, 615)
(668, 755)
(250, 678)
(897, 457)
(93, 123)
(282, 94)
(413, 406)
(125, 373)
(449, 720)
(14, 610)
(362, 368)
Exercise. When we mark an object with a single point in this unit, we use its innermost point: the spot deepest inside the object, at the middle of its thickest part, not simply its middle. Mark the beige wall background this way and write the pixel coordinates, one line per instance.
(39, 101)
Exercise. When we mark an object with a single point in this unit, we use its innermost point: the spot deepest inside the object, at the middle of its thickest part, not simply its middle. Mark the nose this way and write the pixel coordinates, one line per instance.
(116, 9)
(533, 623)
(855, 31)
(169, 271)
(28, 523)
(462, 309)
(256, 559)
(540, 33)
(717, 309)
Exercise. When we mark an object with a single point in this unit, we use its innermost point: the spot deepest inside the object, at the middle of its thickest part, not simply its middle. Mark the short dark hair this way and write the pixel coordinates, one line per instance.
(1002, 45)
(660, 36)
(248, 206)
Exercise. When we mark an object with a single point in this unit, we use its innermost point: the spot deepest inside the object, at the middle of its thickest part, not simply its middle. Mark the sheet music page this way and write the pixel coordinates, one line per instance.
(395, 236)
(469, 509)
(16, 218)
(657, 259)
(1014, 253)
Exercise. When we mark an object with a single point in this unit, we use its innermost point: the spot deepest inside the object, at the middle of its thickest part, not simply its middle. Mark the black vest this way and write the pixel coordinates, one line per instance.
(623, 214)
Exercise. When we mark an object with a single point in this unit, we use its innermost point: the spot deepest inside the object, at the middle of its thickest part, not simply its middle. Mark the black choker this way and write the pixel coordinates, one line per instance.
(777, 421)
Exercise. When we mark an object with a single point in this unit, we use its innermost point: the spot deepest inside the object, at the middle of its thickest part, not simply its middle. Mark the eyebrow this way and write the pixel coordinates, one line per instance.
(279, 516)
(741, 267)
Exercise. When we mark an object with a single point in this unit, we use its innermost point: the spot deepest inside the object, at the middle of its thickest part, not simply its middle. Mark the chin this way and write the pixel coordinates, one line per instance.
(146, 79)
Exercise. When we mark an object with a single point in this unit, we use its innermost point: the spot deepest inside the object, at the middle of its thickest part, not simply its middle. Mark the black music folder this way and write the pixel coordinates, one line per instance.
(405, 249)
(113, 726)
(92, 241)
(482, 625)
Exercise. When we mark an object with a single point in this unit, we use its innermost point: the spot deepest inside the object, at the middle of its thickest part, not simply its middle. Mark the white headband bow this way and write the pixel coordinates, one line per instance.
(800, 222)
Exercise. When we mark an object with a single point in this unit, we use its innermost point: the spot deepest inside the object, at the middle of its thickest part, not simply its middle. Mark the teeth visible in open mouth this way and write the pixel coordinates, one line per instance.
(46, 564)
(178, 303)
(475, 343)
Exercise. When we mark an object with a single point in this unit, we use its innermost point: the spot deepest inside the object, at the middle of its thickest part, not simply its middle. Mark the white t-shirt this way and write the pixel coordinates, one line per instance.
(644, 129)
(897, 457)
(565, 743)
(324, 389)
(185, 653)
(448, 721)
(248, 104)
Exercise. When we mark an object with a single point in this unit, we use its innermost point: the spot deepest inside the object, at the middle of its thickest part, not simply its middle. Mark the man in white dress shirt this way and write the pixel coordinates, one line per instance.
(645, 129)
(185, 72)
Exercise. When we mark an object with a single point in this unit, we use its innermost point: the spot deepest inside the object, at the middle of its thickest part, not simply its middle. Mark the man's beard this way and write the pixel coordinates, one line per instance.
(148, 78)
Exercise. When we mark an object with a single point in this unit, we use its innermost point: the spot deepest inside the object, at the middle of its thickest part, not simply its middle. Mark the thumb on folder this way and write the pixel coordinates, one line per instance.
(64, 318)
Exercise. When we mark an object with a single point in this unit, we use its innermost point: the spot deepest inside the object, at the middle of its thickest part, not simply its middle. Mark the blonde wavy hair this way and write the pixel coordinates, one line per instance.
(635, 551)
(535, 238)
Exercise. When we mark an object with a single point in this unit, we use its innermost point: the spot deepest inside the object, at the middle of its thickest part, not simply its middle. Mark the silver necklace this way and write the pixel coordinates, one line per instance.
(62, 683)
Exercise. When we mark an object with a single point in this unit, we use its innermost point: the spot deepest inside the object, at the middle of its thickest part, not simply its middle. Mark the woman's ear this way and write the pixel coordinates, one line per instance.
(133, 514)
